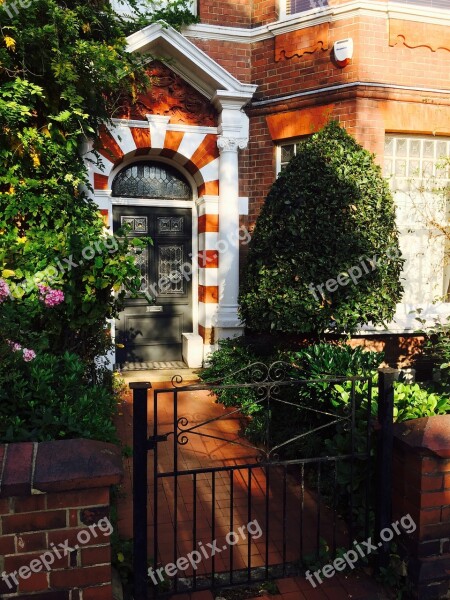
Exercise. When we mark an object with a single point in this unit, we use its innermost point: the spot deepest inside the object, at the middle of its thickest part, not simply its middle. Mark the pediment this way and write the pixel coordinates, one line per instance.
(189, 62)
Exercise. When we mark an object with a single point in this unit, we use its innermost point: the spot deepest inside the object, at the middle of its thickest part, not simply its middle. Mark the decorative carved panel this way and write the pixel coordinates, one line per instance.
(170, 224)
(137, 224)
(418, 35)
(302, 41)
(172, 96)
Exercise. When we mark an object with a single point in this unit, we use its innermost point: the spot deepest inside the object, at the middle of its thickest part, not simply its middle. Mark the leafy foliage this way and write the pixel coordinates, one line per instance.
(64, 71)
(176, 13)
(51, 398)
(329, 209)
(227, 365)
(308, 407)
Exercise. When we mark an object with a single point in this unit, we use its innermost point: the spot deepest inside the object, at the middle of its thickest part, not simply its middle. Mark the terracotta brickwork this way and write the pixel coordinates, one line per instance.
(170, 95)
(53, 496)
(421, 479)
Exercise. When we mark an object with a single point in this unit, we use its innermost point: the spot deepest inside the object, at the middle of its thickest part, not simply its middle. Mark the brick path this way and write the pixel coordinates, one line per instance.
(202, 451)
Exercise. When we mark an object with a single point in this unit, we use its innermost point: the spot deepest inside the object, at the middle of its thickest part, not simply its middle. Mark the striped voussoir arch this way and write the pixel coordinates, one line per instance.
(195, 151)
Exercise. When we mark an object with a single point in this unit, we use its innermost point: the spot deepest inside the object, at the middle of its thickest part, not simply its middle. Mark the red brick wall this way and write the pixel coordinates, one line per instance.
(374, 59)
(387, 52)
(264, 11)
(236, 58)
(421, 480)
(235, 13)
(50, 494)
(259, 171)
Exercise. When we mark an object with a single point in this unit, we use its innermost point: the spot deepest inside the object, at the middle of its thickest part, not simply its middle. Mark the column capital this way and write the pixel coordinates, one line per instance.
(231, 144)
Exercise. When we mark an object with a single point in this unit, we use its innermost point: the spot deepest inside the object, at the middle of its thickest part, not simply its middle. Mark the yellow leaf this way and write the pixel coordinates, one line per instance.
(10, 42)
(120, 557)
(8, 273)
(21, 240)
(35, 157)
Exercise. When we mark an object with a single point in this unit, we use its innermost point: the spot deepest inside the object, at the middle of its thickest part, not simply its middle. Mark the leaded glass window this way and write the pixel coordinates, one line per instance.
(419, 177)
(150, 180)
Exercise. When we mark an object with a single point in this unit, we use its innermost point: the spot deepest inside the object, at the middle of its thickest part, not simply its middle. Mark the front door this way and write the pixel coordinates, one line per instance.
(151, 328)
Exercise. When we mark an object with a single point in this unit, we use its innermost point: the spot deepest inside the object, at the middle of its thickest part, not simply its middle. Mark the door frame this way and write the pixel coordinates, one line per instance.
(159, 203)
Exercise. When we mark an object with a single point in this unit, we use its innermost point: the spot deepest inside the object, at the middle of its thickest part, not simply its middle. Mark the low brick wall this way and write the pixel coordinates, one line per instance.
(421, 485)
(54, 510)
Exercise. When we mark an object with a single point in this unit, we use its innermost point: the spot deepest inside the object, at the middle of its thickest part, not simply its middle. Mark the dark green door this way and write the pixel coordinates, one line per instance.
(152, 331)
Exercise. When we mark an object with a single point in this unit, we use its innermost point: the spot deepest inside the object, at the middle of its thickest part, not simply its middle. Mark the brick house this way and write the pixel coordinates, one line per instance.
(191, 163)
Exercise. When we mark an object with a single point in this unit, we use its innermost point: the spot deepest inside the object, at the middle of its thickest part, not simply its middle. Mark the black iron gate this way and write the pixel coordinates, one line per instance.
(208, 517)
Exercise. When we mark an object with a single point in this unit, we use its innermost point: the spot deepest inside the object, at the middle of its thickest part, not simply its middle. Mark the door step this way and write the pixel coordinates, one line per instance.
(152, 365)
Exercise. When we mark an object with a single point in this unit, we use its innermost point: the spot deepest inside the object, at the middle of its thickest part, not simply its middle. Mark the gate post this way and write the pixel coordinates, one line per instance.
(385, 444)
(140, 450)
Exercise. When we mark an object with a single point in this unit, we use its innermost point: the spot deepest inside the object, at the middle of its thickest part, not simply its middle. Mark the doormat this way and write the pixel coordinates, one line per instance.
(148, 366)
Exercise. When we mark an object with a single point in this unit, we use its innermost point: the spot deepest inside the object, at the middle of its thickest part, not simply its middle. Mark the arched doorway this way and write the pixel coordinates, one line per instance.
(150, 328)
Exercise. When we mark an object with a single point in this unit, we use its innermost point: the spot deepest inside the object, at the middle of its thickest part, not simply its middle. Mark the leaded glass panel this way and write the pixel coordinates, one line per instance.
(150, 180)
(170, 261)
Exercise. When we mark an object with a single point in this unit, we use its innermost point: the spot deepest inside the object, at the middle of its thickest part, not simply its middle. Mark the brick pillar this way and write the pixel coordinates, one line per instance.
(54, 519)
(421, 474)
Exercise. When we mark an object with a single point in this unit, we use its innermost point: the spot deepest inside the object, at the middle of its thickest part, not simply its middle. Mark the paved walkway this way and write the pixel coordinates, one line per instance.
(222, 501)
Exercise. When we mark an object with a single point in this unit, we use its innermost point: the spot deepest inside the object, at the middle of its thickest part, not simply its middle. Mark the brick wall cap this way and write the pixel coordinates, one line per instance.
(427, 433)
(76, 464)
(62, 465)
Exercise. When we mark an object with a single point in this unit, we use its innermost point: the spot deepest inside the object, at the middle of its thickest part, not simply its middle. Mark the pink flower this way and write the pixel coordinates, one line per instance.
(28, 355)
(15, 347)
(4, 290)
(50, 297)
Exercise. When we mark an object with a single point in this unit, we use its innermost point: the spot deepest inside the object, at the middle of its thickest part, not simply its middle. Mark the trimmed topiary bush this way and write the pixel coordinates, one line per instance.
(325, 254)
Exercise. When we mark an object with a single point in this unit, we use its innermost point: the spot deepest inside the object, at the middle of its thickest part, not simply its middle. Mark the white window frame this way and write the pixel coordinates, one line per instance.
(278, 150)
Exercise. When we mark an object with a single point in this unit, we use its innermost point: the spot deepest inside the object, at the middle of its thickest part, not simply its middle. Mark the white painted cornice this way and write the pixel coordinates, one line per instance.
(317, 16)
(186, 59)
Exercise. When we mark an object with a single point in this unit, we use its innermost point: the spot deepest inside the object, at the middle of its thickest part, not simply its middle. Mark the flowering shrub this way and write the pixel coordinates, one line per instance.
(4, 290)
(50, 297)
(28, 355)
(52, 398)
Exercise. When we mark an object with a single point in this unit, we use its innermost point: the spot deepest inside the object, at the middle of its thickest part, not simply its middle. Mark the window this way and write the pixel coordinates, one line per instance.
(298, 6)
(419, 177)
(294, 7)
(122, 7)
(286, 151)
